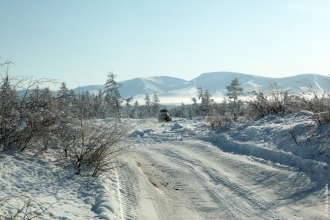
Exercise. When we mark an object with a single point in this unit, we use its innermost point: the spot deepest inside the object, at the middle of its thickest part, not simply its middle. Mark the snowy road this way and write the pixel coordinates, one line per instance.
(192, 179)
(182, 170)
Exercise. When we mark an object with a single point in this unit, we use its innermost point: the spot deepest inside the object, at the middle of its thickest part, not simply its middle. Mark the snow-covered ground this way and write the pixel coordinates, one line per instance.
(182, 170)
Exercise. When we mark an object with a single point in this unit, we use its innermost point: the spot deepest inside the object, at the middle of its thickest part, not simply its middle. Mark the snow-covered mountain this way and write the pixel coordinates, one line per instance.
(178, 90)
(141, 86)
(216, 82)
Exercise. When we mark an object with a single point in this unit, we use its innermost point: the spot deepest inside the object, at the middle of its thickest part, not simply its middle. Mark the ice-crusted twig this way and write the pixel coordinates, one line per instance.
(24, 211)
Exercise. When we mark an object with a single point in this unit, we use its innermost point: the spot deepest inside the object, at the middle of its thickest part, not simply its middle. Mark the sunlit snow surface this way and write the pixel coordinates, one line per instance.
(182, 170)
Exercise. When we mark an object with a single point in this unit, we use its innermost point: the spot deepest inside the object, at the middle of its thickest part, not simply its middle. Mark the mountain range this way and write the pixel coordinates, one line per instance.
(176, 90)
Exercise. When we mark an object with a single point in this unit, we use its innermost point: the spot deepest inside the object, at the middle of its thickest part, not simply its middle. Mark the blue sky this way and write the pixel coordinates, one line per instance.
(79, 42)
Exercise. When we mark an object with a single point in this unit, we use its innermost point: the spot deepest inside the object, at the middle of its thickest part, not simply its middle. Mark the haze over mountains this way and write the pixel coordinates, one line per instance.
(175, 90)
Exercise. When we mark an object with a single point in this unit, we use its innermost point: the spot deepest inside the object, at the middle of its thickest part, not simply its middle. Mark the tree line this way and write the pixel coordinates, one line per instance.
(106, 104)
(253, 105)
(37, 120)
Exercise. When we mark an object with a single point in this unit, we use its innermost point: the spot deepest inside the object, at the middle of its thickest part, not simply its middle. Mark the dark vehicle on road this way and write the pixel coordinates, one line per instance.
(164, 116)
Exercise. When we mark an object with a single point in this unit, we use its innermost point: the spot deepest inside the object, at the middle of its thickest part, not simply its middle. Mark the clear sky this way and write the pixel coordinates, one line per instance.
(80, 41)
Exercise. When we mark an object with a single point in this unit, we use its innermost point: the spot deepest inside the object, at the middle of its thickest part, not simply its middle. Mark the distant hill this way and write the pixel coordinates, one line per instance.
(216, 82)
(175, 90)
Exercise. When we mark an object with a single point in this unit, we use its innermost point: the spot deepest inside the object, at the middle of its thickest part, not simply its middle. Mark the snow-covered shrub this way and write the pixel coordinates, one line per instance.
(32, 120)
(93, 147)
(38, 120)
(9, 116)
(317, 103)
(28, 119)
(22, 208)
(275, 101)
(219, 123)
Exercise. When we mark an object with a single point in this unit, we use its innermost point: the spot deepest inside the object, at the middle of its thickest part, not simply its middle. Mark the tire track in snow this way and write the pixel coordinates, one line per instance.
(219, 196)
(209, 210)
(119, 196)
(127, 191)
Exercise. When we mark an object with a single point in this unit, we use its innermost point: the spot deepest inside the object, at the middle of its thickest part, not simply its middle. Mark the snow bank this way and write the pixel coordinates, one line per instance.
(53, 190)
(107, 205)
(273, 139)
